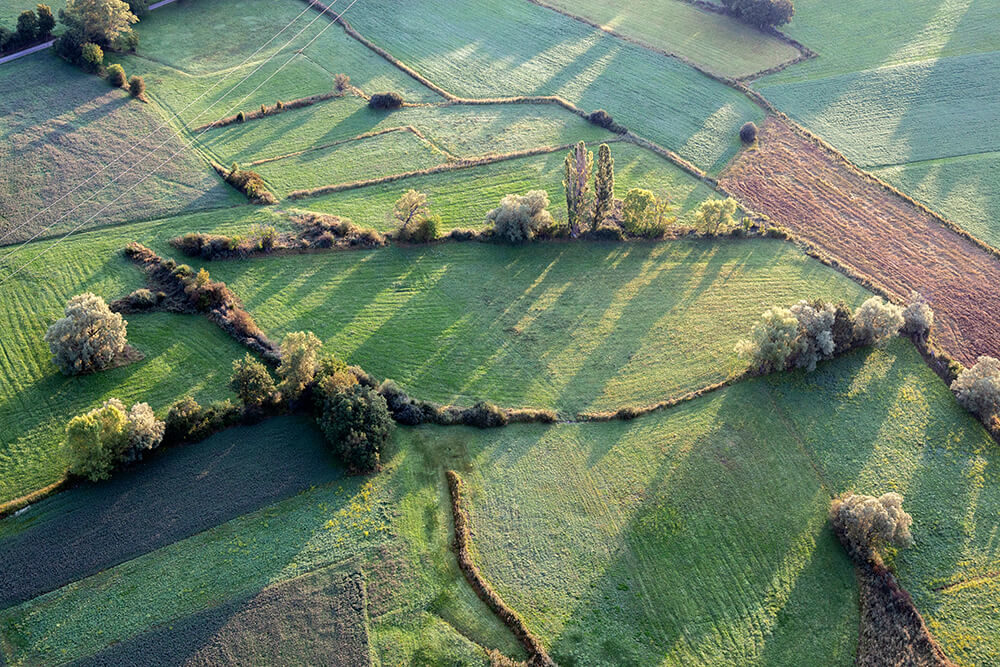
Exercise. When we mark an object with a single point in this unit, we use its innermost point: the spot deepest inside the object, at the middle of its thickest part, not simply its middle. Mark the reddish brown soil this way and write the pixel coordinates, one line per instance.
(823, 199)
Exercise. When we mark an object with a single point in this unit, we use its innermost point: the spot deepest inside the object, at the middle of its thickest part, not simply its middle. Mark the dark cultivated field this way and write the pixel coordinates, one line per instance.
(317, 619)
(95, 526)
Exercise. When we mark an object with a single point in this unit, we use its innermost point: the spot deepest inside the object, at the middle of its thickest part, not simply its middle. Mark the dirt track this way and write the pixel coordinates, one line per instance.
(874, 232)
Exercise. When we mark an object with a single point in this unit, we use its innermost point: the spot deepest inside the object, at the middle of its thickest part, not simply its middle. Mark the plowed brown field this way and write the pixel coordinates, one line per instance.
(813, 192)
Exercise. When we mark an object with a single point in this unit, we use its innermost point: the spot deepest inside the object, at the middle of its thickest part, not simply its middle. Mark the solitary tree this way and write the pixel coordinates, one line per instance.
(604, 186)
(99, 21)
(89, 338)
(578, 165)
(409, 208)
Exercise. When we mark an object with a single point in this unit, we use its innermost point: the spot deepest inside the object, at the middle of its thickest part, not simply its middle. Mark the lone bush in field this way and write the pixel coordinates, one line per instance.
(386, 101)
(876, 321)
(773, 343)
(748, 133)
(519, 217)
(137, 87)
(92, 57)
(870, 524)
(89, 338)
(918, 317)
(299, 359)
(252, 382)
(715, 216)
(356, 423)
(977, 388)
(646, 215)
(116, 75)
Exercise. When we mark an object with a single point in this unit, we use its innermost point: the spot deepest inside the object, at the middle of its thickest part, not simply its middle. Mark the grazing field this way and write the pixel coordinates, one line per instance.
(880, 235)
(396, 524)
(853, 35)
(176, 494)
(50, 181)
(501, 49)
(463, 197)
(963, 189)
(536, 326)
(371, 157)
(902, 113)
(699, 535)
(320, 617)
(716, 42)
(183, 354)
(463, 131)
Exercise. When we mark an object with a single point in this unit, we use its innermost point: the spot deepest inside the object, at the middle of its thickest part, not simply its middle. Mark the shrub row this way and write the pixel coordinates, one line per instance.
(412, 412)
(486, 593)
(279, 107)
(248, 182)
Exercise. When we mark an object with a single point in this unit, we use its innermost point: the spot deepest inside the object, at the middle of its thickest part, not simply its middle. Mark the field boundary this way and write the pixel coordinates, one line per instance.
(17, 504)
(367, 135)
(484, 590)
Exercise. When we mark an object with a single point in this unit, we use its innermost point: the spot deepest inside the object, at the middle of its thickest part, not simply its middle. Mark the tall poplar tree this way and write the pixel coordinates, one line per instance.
(578, 166)
(604, 186)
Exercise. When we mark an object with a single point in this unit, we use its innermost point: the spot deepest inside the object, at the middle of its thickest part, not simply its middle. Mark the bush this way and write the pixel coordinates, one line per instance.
(249, 183)
(252, 382)
(102, 438)
(89, 338)
(126, 42)
(69, 45)
(603, 119)
(144, 432)
(870, 524)
(485, 415)
(116, 75)
(762, 13)
(137, 86)
(816, 332)
(241, 117)
(978, 388)
(773, 343)
(388, 101)
(299, 362)
(341, 82)
(645, 215)
(92, 57)
(187, 421)
(748, 133)
(918, 318)
(876, 321)
(356, 423)
(518, 218)
(411, 214)
(843, 328)
(715, 216)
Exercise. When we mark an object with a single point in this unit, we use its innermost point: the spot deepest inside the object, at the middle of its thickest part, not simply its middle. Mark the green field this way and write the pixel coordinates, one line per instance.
(716, 42)
(699, 536)
(183, 354)
(463, 131)
(58, 132)
(463, 197)
(499, 49)
(963, 189)
(736, 484)
(536, 326)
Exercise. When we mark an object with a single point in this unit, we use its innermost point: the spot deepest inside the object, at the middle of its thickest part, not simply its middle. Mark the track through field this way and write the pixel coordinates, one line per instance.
(901, 248)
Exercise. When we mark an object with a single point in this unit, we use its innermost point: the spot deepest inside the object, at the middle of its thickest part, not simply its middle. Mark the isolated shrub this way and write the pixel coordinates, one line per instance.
(98, 20)
(876, 321)
(95, 441)
(918, 317)
(144, 432)
(137, 86)
(870, 524)
(646, 215)
(603, 119)
(773, 342)
(341, 82)
(116, 75)
(519, 217)
(252, 382)
(748, 133)
(92, 57)
(299, 362)
(89, 338)
(485, 415)
(978, 388)
(356, 423)
(843, 328)
(388, 101)
(46, 21)
(816, 331)
(715, 216)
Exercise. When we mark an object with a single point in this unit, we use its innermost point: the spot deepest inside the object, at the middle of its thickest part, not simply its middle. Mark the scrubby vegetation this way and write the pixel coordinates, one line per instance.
(978, 390)
(246, 181)
(356, 423)
(871, 525)
(106, 437)
(762, 13)
(385, 101)
(520, 217)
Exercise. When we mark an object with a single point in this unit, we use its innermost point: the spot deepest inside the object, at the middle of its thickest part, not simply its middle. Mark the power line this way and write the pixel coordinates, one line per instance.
(191, 143)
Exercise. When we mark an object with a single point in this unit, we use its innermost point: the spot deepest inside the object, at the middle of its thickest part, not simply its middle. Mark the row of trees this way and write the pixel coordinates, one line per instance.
(586, 210)
(33, 27)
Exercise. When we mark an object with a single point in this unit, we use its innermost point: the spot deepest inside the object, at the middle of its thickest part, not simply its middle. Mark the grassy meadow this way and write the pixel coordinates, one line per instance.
(500, 49)
(716, 42)
(541, 325)
(463, 197)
